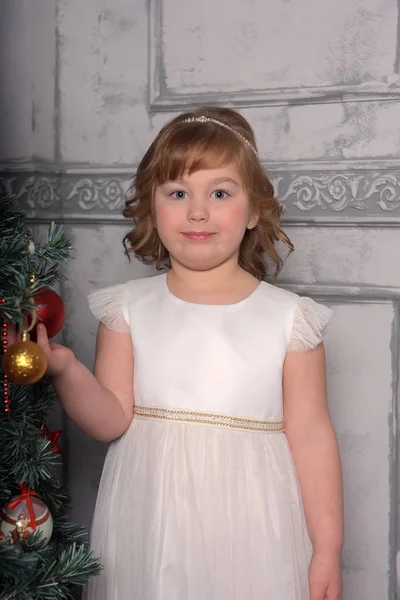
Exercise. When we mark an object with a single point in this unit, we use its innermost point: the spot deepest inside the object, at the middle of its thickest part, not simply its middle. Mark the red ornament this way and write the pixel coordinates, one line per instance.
(52, 313)
(52, 436)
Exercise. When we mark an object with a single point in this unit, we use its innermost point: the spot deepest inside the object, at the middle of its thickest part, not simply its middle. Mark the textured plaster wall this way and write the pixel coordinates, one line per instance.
(87, 85)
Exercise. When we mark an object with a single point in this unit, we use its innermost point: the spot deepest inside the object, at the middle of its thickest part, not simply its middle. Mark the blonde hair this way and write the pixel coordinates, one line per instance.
(188, 147)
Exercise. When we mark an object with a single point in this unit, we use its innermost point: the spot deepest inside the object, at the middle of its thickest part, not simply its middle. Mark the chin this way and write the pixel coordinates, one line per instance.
(201, 264)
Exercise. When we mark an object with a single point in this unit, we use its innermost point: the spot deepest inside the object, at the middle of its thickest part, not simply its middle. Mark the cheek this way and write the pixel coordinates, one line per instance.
(162, 214)
(237, 218)
(166, 218)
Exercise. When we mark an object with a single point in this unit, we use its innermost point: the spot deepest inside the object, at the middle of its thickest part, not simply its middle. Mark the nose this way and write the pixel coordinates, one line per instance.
(197, 209)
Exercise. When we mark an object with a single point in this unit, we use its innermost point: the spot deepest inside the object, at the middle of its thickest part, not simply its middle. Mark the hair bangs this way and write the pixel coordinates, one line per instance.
(194, 147)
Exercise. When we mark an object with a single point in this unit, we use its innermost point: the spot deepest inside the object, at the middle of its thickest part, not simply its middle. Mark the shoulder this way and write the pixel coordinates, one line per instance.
(145, 285)
(108, 306)
(304, 320)
(143, 289)
(277, 307)
(278, 296)
(112, 305)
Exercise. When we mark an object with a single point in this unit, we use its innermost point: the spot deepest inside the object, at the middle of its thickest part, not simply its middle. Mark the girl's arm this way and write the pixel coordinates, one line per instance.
(315, 451)
(100, 404)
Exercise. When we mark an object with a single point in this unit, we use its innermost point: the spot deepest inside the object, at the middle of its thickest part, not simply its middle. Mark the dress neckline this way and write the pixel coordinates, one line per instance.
(212, 306)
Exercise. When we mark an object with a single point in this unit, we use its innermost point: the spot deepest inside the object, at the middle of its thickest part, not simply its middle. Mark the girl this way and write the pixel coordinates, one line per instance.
(210, 382)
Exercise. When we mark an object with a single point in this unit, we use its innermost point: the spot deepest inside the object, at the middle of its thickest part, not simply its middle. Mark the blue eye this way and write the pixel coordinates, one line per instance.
(179, 195)
(219, 195)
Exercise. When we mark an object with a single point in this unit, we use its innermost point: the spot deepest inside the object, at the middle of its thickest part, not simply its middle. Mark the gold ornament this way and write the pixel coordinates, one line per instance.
(24, 362)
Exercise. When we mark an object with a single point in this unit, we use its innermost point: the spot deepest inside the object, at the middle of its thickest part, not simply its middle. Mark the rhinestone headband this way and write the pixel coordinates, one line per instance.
(203, 119)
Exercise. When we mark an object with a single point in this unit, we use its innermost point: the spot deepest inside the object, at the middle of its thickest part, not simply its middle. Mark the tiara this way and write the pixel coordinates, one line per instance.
(204, 119)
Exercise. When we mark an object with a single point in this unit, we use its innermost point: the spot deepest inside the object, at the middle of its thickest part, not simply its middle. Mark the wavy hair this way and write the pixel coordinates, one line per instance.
(185, 147)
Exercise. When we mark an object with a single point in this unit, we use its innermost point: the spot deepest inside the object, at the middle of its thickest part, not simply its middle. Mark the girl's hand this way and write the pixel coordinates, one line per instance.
(59, 358)
(325, 577)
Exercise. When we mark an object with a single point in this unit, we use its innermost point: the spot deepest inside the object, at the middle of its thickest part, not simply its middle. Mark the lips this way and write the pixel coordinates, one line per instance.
(198, 235)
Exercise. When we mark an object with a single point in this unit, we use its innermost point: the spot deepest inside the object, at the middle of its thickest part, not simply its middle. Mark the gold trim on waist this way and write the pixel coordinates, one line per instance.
(189, 416)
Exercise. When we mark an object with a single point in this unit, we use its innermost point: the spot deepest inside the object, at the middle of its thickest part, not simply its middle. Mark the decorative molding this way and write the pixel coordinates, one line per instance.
(345, 293)
(168, 101)
(364, 197)
(106, 194)
(370, 192)
(163, 99)
(68, 197)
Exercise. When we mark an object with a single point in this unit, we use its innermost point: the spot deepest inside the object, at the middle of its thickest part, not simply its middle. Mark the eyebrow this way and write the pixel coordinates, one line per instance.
(225, 180)
(216, 181)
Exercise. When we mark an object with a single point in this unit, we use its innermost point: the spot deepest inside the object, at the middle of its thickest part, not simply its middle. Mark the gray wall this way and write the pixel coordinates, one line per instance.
(86, 86)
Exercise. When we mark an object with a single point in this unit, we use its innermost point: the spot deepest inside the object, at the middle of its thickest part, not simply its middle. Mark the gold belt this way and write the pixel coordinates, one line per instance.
(188, 416)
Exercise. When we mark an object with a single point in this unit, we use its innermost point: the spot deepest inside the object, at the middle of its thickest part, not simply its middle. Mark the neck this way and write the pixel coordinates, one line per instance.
(218, 277)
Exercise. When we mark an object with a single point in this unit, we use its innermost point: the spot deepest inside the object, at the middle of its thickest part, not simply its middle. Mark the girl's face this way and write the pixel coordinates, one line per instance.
(201, 219)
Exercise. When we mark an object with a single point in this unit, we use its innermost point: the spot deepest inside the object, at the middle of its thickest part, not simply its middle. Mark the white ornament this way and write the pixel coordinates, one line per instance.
(16, 523)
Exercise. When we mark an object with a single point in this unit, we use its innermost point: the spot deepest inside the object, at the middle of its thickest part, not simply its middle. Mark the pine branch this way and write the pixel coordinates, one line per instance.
(30, 569)
(20, 257)
(45, 576)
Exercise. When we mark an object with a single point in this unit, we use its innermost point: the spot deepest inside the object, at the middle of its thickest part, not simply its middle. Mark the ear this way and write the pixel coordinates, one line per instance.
(252, 222)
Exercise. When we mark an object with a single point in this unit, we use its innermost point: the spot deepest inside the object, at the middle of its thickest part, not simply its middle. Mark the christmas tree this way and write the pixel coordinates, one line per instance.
(42, 555)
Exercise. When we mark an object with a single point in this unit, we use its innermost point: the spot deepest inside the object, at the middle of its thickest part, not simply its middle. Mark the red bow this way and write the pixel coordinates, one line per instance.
(26, 494)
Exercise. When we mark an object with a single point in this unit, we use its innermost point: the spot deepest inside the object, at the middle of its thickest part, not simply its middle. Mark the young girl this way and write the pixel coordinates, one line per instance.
(210, 382)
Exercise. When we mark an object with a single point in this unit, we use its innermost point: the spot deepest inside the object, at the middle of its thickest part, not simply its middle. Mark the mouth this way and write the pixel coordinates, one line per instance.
(198, 236)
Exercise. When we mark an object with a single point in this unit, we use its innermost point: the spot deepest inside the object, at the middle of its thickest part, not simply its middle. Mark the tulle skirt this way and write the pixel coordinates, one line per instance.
(189, 511)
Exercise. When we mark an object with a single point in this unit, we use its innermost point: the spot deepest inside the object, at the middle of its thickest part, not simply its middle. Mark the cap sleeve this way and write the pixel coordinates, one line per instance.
(309, 324)
(108, 306)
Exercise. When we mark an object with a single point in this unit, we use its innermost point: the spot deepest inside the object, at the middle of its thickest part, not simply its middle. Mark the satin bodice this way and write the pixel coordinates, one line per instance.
(209, 358)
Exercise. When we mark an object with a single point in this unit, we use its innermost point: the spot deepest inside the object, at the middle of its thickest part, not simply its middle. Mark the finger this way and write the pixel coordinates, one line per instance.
(54, 346)
(334, 594)
(42, 339)
(317, 591)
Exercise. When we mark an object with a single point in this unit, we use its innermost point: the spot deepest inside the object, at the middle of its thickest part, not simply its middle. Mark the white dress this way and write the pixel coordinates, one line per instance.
(199, 499)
